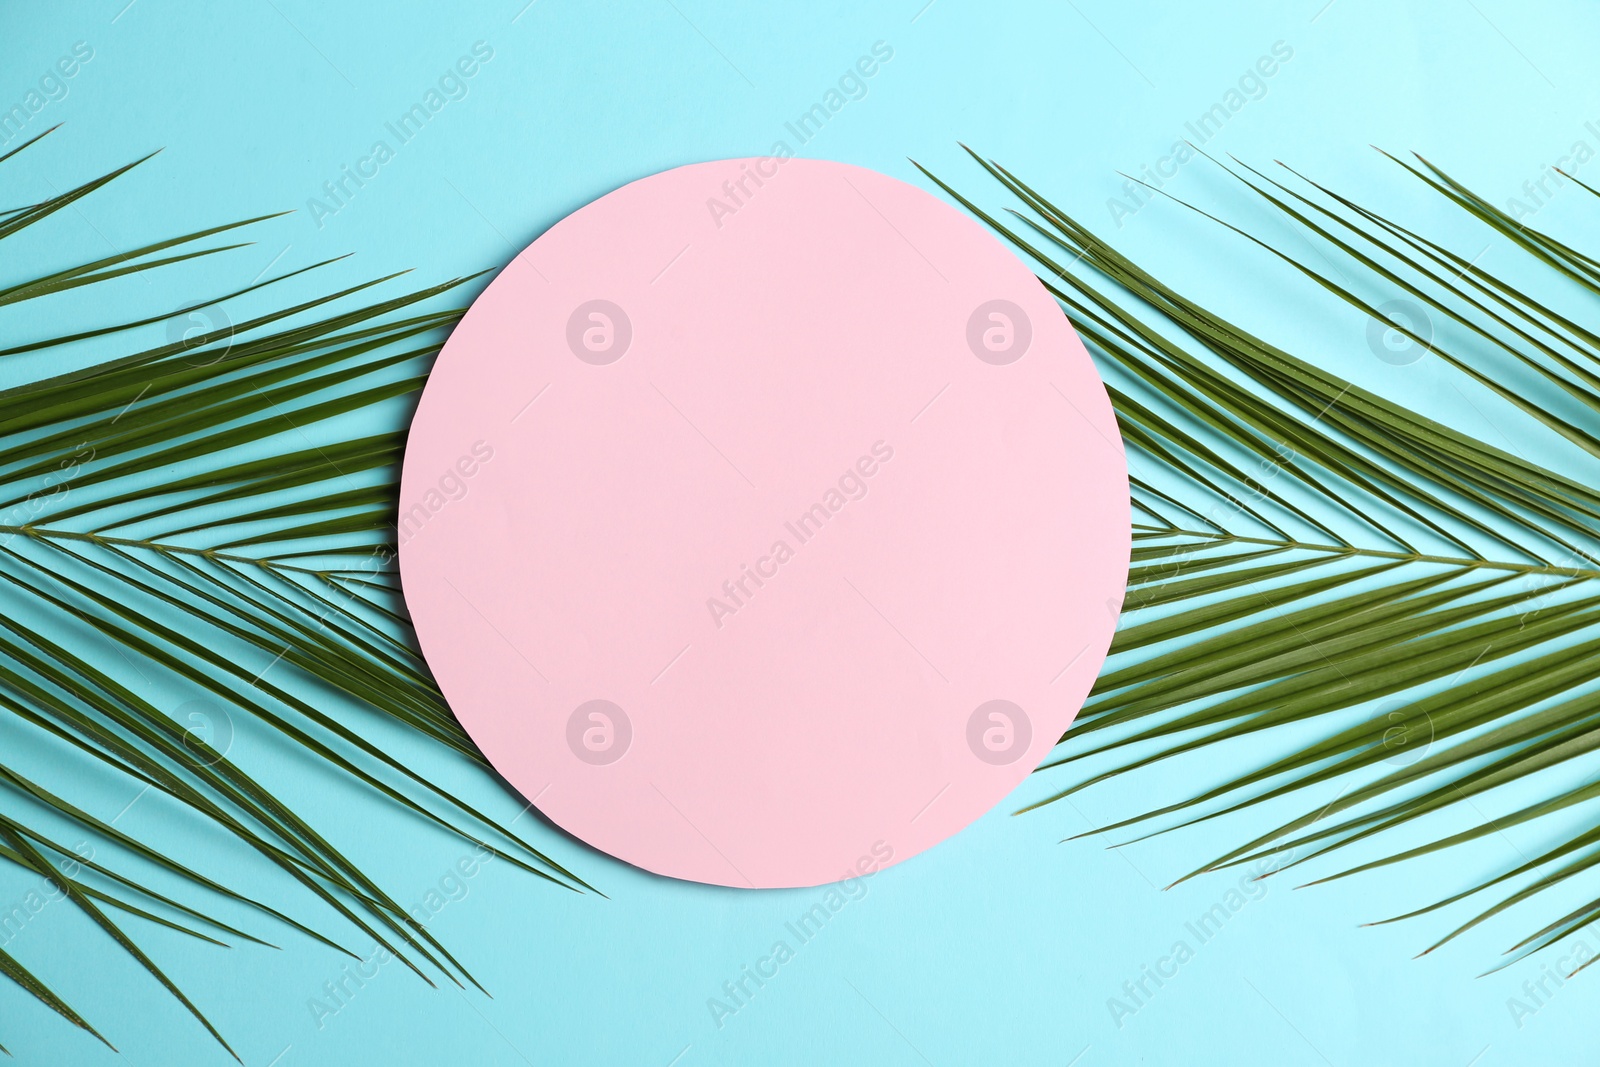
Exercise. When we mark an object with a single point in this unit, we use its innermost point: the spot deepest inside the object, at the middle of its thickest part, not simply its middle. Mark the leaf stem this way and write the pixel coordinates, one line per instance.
(39, 532)
(1408, 557)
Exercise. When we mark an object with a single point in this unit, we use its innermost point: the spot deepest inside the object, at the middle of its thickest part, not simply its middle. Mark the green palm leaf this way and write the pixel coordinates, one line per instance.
(134, 494)
(1308, 551)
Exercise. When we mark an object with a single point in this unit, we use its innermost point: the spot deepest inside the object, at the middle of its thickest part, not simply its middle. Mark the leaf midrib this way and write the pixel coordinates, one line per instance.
(1377, 553)
(42, 532)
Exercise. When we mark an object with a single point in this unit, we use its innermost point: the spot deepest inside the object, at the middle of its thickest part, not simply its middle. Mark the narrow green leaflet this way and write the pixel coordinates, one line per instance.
(201, 511)
(1309, 551)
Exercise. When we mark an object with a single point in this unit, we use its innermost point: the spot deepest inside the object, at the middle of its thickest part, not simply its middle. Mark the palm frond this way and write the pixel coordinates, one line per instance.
(1309, 551)
(199, 510)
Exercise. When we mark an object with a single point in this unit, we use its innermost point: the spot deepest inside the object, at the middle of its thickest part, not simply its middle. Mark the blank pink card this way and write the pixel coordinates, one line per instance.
(764, 522)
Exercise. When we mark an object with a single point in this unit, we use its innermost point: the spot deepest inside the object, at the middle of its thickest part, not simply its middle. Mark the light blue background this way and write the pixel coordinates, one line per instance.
(1002, 945)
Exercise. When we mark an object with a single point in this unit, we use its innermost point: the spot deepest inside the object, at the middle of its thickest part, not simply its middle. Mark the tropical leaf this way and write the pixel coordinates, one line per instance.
(1309, 551)
(199, 511)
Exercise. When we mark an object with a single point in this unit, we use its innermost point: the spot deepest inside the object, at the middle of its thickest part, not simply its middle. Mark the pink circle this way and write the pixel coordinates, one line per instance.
(764, 522)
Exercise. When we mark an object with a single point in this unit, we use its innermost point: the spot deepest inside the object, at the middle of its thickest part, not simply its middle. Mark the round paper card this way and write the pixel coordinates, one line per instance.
(764, 522)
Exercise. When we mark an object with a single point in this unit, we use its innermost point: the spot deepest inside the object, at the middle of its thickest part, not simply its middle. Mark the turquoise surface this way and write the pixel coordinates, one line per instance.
(1003, 945)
